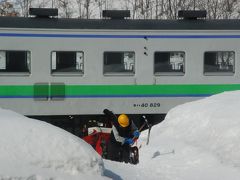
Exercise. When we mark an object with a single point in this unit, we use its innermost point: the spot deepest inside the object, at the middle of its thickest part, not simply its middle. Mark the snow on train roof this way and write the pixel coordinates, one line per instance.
(123, 24)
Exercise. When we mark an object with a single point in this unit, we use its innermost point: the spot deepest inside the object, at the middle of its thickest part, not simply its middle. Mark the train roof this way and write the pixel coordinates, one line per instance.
(122, 24)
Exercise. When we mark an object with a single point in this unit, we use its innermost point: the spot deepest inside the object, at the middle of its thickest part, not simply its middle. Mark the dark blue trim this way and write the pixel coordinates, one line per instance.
(112, 96)
(121, 36)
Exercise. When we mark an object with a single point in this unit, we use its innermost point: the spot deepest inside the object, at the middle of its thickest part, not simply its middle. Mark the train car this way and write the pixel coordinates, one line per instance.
(66, 71)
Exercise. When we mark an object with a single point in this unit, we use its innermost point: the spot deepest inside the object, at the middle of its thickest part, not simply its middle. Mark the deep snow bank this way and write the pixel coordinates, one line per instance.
(211, 124)
(197, 140)
(30, 147)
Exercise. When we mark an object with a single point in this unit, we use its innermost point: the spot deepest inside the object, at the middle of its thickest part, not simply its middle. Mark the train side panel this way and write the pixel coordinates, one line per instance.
(142, 92)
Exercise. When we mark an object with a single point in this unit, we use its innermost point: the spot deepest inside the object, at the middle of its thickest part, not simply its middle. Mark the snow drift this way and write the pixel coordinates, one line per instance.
(212, 124)
(31, 148)
(197, 140)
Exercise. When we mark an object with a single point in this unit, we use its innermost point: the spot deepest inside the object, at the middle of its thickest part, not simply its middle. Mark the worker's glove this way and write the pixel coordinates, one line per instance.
(128, 141)
(136, 134)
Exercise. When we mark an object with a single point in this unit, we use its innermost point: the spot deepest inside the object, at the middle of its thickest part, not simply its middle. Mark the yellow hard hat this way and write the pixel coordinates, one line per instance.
(123, 120)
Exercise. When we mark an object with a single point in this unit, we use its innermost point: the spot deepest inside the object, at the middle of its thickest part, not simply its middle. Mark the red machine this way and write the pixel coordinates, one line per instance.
(98, 137)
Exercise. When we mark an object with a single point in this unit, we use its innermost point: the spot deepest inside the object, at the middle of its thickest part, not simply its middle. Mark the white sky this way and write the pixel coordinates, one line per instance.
(197, 140)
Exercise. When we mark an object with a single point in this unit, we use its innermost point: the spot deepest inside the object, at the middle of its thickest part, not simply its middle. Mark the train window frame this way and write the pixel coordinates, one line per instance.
(64, 72)
(222, 72)
(5, 54)
(130, 65)
(172, 72)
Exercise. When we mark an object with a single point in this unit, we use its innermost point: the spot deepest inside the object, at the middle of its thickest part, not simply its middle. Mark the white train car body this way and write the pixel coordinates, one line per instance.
(164, 63)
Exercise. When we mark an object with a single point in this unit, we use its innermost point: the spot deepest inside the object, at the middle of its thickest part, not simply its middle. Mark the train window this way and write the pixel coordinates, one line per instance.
(14, 61)
(169, 63)
(219, 62)
(67, 62)
(119, 63)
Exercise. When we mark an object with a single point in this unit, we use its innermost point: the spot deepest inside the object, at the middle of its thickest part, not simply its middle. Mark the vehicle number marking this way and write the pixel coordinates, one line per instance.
(153, 105)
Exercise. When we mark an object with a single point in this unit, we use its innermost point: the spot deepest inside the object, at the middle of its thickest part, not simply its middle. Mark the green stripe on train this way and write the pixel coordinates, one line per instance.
(149, 89)
(81, 90)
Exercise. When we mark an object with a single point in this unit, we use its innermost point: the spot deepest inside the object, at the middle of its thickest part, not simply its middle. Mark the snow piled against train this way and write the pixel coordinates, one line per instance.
(211, 124)
(31, 149)
(197, 140)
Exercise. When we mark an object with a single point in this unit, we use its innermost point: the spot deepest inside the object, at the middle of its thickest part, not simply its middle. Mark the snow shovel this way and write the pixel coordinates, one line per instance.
(149, 128)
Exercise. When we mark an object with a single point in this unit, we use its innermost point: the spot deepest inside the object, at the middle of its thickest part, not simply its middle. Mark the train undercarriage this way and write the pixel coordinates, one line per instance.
(79, 124)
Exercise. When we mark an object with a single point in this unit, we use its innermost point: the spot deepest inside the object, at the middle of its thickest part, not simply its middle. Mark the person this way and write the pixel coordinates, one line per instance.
(122, 136)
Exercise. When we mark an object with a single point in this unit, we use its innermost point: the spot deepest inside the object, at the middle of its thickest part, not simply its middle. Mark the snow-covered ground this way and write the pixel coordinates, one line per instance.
(197, 140)
(35, 150)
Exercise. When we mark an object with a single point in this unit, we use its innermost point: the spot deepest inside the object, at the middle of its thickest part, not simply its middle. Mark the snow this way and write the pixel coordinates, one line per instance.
(197, 140)
(31, 149)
